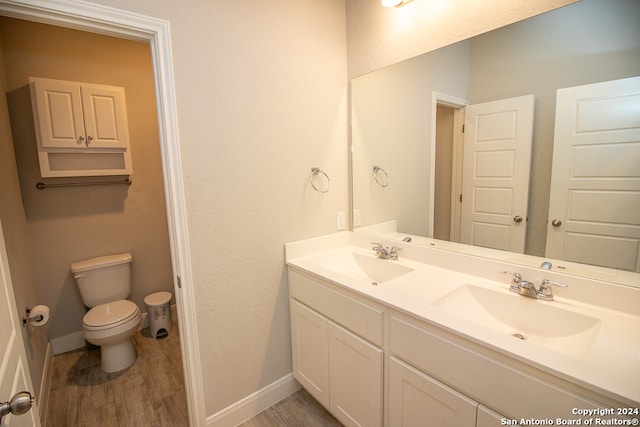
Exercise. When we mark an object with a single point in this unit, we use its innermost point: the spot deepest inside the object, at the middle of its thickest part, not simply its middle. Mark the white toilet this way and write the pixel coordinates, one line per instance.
(105, 283)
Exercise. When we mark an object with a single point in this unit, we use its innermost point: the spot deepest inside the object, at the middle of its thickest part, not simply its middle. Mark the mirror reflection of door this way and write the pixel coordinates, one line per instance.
(497, 152)
(594, 208)
(487, 207)
(444, 199)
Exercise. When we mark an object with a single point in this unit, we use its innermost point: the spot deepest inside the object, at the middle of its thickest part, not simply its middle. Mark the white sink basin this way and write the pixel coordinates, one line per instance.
(528, 319)
(366, 267)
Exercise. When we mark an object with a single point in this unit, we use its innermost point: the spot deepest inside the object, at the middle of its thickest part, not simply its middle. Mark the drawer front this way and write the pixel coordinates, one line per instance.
(510, 391)
(348, 311)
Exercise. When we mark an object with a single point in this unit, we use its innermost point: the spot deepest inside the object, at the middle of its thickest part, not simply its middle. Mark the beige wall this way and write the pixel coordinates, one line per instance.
(69, 224)
(18, 241)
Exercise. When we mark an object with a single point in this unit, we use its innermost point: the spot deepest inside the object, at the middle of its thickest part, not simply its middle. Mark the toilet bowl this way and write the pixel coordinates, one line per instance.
(104, 284)
(111, 327)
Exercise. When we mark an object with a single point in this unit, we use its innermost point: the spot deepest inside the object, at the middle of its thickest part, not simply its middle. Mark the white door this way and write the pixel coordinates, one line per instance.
(495, 184)
(14, 372)
(594, 207)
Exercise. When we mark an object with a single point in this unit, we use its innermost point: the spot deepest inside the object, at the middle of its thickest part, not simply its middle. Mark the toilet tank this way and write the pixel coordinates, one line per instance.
(103, 279)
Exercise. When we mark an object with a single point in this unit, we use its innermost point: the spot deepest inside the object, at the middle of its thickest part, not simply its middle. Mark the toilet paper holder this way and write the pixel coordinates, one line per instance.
(27, 317)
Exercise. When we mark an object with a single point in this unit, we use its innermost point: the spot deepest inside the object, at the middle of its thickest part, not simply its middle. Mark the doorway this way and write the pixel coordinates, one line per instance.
(446, 166)
(94, 18)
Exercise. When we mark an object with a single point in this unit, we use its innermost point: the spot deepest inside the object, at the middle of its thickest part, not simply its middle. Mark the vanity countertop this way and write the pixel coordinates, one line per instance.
(594, 343)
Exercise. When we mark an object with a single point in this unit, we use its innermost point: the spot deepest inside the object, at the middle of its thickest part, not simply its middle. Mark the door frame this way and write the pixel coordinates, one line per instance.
(458, 104)
(118, 23)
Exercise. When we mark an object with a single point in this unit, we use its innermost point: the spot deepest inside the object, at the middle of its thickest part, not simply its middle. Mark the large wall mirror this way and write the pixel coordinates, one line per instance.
(526, 180)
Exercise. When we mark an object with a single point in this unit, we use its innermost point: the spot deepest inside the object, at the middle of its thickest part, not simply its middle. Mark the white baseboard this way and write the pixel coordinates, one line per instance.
(45, 384)
(255, 403)
(68, 342)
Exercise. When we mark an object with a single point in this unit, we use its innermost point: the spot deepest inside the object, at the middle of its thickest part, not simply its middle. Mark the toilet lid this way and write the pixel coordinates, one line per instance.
(110, 313)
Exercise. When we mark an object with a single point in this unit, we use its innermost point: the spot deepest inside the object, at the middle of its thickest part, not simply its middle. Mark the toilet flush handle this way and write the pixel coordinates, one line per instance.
(80, 275)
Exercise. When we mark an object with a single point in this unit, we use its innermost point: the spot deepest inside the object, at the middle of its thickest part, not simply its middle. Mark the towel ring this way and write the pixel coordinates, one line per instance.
(381, 176)
(314, 173)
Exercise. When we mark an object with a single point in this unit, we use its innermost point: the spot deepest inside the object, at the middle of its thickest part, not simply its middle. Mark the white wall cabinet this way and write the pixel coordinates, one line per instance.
(81, 128)
(338, 368)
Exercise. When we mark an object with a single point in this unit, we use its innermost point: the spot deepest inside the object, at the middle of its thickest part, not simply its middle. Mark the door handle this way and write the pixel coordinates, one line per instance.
(19, 404)
(556, 223)
(517, 219)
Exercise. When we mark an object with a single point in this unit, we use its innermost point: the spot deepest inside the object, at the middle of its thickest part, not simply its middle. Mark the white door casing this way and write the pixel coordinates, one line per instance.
(14, 368)
(87, 16)
(594, 207)
(497, 162)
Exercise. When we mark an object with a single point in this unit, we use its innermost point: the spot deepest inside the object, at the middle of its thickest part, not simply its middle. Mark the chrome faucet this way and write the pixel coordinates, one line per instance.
(528, 289)
(385, 253)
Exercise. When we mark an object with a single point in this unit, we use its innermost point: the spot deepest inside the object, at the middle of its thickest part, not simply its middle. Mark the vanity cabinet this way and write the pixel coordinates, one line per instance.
(81, 128)
(502, 384)
(335, 364)
(371, 363)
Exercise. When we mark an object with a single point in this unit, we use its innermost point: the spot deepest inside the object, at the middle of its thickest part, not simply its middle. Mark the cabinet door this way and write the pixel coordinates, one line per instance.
(310, 351)
(105, 116)
(355, 378)
(57, 108)
(489, 418)
(416, 399)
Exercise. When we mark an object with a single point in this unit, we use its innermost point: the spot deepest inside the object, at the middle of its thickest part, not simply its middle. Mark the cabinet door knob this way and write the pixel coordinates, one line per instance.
(81, 139)
(89, 139)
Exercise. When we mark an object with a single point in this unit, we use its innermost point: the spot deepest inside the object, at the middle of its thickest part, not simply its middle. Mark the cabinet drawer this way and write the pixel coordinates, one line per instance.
(348, 311)
(510, 391)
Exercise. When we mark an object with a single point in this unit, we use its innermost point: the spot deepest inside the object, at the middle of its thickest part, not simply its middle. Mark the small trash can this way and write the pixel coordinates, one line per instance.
(159, 312)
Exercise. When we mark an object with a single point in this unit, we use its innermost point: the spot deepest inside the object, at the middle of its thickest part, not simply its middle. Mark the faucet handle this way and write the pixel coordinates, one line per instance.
(546, 282)
(393, 252)
(545, 292)
(517, 277)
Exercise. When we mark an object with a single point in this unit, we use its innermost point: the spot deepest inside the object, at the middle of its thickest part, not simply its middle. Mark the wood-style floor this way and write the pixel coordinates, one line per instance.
(150, 393)
(297, 410)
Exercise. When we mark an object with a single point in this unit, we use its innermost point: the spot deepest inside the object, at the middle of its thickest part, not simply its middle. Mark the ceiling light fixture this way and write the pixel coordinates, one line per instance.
(394, 3)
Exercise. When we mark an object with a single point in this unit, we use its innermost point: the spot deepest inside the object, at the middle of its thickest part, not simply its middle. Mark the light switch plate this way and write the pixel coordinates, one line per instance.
(340, 221)
(356, 217)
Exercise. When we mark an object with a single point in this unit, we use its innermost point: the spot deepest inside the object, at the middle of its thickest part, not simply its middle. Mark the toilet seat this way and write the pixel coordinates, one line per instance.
(110, 315)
